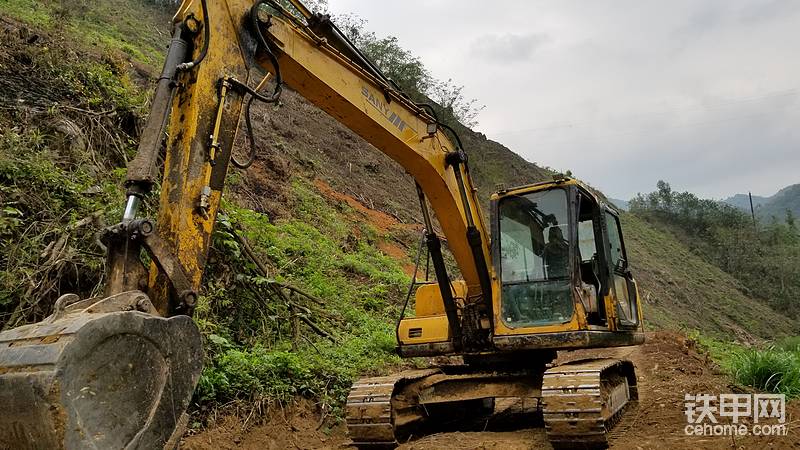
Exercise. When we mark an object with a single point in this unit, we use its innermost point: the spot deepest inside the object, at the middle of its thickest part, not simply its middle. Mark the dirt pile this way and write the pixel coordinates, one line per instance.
(297, 426)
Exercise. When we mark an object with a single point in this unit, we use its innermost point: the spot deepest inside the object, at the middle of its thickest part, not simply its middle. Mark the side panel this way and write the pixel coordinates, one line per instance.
(423, 330)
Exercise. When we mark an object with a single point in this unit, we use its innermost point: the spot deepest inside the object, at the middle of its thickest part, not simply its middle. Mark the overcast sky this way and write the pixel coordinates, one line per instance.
(703, 94)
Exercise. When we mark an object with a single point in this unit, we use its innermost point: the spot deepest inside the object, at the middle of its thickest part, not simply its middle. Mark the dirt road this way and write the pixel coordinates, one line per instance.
(668, 367)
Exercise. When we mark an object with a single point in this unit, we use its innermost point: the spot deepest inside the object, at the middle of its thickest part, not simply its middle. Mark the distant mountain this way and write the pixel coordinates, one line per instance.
(621, 204)
(786, 198)
(767, 207)
(742, 201)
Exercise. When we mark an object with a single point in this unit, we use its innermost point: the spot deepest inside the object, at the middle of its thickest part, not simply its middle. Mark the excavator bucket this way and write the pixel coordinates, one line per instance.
(98, 374)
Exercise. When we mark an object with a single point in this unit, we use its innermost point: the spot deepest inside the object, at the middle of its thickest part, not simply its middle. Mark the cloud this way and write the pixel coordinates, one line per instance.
(701, 22)
(703, 94)
(766, 11)
(508, 48)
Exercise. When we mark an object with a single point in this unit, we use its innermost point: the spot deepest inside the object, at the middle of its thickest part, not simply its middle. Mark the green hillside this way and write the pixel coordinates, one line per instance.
(681, 291)
(776, 206)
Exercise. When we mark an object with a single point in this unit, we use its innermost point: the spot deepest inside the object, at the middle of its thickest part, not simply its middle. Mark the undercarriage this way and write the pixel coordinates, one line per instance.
(579, 402)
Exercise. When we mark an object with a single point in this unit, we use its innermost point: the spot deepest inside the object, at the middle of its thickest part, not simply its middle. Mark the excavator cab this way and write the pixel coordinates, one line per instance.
(561, 277)
(561, 262)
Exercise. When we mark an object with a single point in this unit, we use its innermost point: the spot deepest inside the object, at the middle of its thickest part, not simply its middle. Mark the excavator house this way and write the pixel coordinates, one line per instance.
(545, 271)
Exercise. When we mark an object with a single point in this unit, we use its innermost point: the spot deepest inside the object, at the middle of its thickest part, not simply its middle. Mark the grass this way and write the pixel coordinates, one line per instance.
(791, 344)
(720, 350)
(33, 12)
(251, 355)
(136, 28)
(771, 367)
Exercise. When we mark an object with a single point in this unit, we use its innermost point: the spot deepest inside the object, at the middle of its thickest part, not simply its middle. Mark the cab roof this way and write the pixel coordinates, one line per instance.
(558, 181)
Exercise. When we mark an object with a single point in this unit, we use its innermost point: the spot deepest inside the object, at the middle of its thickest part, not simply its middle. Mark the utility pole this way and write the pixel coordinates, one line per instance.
(753, 211)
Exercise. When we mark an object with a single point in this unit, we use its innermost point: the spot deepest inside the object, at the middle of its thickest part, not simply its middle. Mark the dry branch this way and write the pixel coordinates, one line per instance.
(276, 288)
(316, 328)
(264, 271)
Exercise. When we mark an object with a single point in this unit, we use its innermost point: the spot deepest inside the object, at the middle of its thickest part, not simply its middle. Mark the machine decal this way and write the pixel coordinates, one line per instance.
(384, 109)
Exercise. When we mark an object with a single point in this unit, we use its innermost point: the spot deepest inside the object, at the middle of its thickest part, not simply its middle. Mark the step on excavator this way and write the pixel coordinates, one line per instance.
(548, 271)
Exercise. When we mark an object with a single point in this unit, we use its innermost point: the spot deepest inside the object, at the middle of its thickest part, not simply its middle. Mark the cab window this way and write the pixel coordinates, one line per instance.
(617, 250)
(534, 256)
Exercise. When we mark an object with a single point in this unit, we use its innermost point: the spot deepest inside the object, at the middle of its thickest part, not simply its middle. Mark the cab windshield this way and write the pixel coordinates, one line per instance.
(534, 258)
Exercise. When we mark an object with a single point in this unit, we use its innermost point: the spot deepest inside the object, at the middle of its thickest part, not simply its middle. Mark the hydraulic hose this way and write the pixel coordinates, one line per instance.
(254, 94)
(206, 38)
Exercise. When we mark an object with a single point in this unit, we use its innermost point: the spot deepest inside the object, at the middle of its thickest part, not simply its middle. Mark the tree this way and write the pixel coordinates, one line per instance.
(665, 194)
(790, 222)
(766, 262)
(410, 74)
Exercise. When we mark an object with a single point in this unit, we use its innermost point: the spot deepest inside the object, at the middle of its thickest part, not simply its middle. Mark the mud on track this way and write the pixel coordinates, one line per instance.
(668, 366)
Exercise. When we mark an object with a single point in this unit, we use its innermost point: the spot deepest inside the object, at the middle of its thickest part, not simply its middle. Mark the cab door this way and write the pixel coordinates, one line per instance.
(623, 286)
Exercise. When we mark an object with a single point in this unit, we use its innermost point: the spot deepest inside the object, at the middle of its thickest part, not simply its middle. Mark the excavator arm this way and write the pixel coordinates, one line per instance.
(317, 61)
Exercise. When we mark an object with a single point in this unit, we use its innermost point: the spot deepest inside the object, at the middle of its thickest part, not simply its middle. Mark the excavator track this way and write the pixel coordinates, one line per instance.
(583, 400)
(373, 415)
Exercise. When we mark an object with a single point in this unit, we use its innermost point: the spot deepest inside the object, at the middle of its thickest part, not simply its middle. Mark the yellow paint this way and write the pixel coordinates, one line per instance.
(639, 304)
(611, 310)
(428, 298)
(580, 315)
(186, 166)
(434, 329)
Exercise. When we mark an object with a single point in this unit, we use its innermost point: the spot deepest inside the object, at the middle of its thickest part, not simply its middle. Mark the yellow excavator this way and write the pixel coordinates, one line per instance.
(548, 271)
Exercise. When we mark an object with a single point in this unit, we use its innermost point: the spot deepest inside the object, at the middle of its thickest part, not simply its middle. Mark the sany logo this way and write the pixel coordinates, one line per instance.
(384, 109)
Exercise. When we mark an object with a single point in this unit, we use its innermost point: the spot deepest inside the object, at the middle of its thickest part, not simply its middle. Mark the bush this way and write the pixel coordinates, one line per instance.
(772, 370)
(62, 149)
(256, 373)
